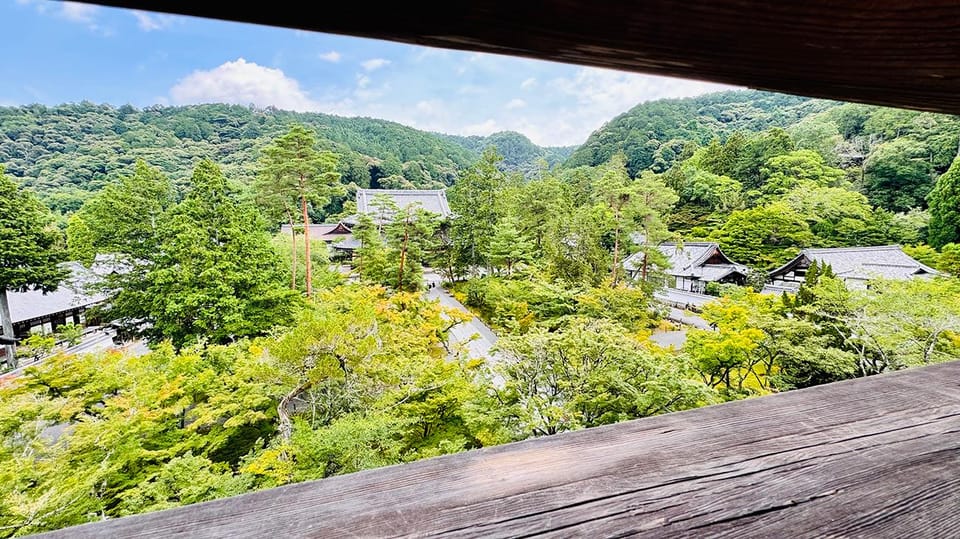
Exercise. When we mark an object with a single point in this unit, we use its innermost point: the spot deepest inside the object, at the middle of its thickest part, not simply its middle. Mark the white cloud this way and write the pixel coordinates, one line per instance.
(516, 103)
(243, 82)
(598, 95)
(148, 22)
(430, 107)
(484, 128)
(363, 81)
(332, 57)
(611, 92)
(528, 83)
(375, 63)
(77, 12)
(428, 52)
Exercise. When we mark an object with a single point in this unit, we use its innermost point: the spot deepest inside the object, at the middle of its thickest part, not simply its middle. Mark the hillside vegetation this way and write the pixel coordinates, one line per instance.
(66, 152)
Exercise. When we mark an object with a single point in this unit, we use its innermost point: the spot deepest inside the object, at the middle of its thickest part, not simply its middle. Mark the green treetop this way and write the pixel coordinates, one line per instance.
(28, 255)
(475, 199)
(298, 169)
(371, 256)
(215, 275)
(126, 216)
(508, 246)
(944, 203)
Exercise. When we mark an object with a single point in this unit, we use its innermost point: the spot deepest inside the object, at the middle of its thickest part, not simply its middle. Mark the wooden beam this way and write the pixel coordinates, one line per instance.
(873, 457)
(902, 53)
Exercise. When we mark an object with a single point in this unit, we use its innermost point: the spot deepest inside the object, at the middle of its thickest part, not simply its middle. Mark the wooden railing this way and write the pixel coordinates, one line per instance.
(874, 457)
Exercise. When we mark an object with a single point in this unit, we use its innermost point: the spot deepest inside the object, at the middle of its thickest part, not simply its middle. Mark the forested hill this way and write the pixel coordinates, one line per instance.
(68, 151)
(518, 152)
(650, 133)
(892, 156)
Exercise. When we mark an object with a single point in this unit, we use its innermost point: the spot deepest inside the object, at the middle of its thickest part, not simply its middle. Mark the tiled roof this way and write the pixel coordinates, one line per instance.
(433, 200)
(349, 243)
(689, 260)
(886, 261)
(69, 295)
(316, 231)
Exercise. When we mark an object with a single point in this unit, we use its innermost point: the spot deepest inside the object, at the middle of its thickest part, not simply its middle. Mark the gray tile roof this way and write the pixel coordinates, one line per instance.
(689, 260)
(863, 263)
(321, 230)
(349, 243)
(69, 295)
(432, 200)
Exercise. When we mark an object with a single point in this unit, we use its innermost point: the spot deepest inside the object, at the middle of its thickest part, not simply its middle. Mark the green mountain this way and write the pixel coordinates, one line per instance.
(650, 133)
(519, 153)
(893, 156)
(66, 152)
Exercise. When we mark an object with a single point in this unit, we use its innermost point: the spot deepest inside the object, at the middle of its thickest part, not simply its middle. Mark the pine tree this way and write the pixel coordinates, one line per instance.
(508, 246)
(944, 203)
(370, 259)
(215, 276)
(408, 235)
(475, 199)
(297, 167)
(28, 255)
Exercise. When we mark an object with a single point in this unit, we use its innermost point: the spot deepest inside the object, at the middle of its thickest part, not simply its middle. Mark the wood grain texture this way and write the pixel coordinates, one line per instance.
(902, 53)
(874, 457)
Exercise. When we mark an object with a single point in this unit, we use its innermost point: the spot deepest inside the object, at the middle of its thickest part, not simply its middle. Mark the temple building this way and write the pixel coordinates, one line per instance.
(691, 266)
(855, 265)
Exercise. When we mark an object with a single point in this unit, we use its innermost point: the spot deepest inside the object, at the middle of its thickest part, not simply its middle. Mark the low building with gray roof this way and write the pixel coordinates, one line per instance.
(856, 266)
(691, 265)
(35, 311)
(430, 200)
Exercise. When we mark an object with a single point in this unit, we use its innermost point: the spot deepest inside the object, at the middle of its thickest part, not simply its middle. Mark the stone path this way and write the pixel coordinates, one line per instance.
(479, 338)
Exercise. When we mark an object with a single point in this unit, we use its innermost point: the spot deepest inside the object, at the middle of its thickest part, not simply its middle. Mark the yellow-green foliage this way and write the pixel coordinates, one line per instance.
(106, 435)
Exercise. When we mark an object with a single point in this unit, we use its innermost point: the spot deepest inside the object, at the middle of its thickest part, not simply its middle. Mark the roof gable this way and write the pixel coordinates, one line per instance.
(691, 259)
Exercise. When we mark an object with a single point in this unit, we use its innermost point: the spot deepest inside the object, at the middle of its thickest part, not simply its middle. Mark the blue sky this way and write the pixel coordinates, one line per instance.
(57, 52)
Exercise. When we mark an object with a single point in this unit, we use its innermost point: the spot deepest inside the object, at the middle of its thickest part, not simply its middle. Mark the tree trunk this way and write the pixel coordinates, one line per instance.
(643, 274)
(403, 251)
(616, 251)
(306, 246)
(293, 251)
(358, 254)
(286, 424)
(7, 324)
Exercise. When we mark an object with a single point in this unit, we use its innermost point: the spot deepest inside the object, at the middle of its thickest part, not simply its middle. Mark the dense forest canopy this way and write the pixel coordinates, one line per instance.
(893, 157)
(518, 152)
(66, 152)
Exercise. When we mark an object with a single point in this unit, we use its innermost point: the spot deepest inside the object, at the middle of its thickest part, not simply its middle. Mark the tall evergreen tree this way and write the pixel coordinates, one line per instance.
(370, 257)
(126, 216)
(28, 254)
(276, 201)
(475, 199)
(944, 203)
(295, 164)
(215, 275)
(408, 235)
(508, 246)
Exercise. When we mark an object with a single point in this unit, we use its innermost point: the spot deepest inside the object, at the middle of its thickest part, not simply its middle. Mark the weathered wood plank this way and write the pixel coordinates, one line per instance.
(901, 53)
(873, 457)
